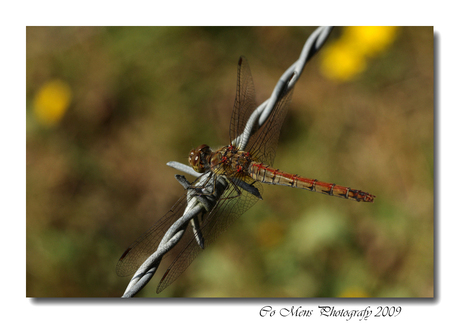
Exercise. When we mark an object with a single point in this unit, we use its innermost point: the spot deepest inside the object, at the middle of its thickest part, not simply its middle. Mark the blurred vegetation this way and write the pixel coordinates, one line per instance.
(108, 107)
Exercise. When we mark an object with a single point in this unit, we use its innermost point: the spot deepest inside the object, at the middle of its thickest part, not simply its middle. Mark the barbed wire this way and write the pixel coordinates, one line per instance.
(204, 194)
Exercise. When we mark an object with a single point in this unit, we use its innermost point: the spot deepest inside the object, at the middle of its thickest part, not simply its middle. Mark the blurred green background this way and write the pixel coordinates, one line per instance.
(108, 107)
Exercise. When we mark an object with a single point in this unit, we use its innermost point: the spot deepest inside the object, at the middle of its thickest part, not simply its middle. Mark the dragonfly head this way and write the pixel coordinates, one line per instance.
(199, 158)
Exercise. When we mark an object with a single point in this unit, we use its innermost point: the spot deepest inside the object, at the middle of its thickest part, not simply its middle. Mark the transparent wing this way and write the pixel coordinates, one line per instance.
(144, 246)
(262, 144)
(244, 100)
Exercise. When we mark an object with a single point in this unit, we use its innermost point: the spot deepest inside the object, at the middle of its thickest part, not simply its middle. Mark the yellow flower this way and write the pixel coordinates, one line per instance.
(341, 62)
(347, 57)
(51, 102)
(370, 40)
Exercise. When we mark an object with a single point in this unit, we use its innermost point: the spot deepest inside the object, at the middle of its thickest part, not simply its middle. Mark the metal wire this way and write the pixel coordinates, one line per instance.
(197, 202)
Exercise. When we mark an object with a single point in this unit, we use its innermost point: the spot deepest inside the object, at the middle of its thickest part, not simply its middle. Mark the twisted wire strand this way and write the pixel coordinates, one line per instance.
(197, 202)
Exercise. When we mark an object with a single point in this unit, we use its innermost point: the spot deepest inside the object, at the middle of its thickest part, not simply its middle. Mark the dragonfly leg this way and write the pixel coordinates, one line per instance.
(248, 187)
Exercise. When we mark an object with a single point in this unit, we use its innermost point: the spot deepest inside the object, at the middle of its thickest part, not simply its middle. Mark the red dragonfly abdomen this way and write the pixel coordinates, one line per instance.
(269, 175)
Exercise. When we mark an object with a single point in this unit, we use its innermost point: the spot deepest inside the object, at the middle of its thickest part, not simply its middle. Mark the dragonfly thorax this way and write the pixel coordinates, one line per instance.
(199, 158)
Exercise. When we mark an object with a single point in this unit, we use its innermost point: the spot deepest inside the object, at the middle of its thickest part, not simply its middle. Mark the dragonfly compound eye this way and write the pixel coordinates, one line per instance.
(198, 157)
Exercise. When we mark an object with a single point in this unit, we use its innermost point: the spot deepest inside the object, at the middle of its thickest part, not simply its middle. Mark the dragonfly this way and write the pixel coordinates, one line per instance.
(244, 165)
